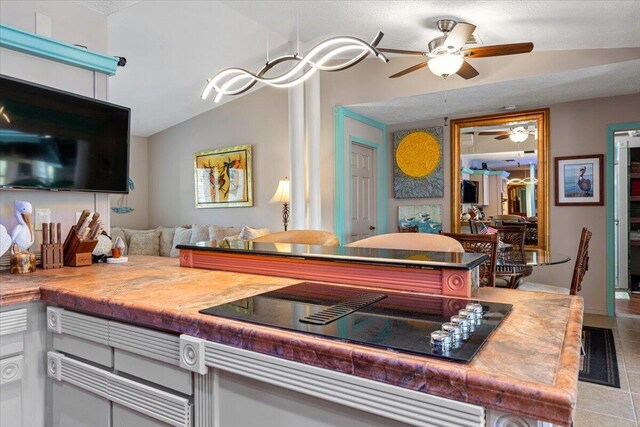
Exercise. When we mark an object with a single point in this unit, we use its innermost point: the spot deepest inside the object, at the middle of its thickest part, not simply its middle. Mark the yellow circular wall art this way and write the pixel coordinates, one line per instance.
(418, 154)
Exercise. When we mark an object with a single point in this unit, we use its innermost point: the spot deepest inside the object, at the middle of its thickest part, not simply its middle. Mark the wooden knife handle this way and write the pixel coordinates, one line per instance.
(84, 215)
(59, 232)
(45, 233)
(94, 221)
(52, 233)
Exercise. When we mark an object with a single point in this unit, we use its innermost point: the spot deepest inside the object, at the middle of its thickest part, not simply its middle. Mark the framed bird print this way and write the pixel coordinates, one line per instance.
(223, 177)
(580, 180)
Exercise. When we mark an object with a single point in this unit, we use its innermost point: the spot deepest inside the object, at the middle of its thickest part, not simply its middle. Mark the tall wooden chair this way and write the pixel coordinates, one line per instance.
(473, 226)
(580, 268)
(514, 268)
(485, 244)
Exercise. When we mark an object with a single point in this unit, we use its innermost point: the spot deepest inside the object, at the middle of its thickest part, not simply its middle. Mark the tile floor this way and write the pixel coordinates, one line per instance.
(601, 406)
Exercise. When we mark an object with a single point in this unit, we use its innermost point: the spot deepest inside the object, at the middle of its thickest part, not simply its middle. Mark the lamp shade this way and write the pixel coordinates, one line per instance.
(282, 193)
(446, 64)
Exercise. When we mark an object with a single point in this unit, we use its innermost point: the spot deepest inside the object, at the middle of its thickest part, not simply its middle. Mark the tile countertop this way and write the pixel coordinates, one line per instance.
(529, 366)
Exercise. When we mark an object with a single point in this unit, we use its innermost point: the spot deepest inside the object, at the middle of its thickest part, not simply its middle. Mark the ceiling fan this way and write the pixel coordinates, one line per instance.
(516, 134)
(446, 55)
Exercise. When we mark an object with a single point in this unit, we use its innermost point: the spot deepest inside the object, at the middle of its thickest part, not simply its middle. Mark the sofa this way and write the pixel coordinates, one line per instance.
(162, 241)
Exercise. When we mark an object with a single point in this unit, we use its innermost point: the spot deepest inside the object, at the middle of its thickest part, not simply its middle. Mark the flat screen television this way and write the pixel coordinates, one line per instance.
(469, 191)
(59, 141)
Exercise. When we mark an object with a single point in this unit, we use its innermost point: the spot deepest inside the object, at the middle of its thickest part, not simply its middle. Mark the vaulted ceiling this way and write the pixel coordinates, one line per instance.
(174, 46)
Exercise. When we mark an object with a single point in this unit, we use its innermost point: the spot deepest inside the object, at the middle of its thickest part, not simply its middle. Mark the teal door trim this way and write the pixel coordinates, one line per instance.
(609, 202)
(340, 173)
(45, 47)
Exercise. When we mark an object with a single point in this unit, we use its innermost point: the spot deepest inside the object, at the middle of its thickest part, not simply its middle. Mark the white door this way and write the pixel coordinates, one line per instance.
(364, 182)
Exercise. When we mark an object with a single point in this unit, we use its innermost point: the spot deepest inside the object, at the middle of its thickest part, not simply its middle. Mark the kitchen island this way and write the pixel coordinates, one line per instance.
(528, 368)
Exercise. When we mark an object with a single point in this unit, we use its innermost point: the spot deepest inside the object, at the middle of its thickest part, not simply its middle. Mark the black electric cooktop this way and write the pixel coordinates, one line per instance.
(379, 318)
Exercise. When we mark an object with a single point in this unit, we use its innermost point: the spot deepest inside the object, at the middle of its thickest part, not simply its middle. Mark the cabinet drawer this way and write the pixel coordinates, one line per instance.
(13, 325)
(163, 374)
(150, 401)
(91, 351)
(125, 417)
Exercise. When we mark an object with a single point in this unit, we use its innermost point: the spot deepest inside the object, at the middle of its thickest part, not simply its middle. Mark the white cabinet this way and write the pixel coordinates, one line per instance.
(124, 375)
(22, 375)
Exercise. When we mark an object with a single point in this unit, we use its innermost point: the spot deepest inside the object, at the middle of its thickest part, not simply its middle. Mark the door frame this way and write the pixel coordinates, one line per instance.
(609, 203)
(341, 172)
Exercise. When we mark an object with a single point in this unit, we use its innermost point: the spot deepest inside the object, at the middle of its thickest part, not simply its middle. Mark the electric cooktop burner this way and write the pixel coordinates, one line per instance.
(435, 326)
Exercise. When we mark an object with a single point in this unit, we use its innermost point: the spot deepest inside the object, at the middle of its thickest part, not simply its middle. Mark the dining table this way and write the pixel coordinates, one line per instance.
(512, 265)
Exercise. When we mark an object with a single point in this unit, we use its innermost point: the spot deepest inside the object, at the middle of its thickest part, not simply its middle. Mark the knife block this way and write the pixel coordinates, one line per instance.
(51, 256)
(77, 253)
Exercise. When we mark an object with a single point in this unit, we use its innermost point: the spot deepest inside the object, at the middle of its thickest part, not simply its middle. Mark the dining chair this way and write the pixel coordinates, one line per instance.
(531, 234)
(514, 268)
(409, 229)
(473, 226)
(481, 243)
(580, 268)
(410, 241)
(302, 237)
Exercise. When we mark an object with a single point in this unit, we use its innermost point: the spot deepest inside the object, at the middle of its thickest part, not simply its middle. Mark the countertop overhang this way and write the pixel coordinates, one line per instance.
(528, 367)
(398, 257)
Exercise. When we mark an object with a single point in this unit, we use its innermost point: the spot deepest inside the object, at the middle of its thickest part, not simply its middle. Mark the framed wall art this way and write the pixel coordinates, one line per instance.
(417, 168)
(423, 218)
(223, 177)
(580, 180)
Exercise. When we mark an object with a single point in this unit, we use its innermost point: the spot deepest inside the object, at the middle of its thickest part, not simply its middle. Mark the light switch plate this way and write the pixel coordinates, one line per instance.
(42, 215)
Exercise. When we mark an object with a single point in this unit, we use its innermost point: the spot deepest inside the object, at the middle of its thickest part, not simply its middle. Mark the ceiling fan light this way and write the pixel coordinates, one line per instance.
(519, 134)
(446, 64)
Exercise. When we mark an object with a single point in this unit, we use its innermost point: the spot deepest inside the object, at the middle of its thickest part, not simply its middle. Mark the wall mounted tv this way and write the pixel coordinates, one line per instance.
(469, 191)
(59, 141)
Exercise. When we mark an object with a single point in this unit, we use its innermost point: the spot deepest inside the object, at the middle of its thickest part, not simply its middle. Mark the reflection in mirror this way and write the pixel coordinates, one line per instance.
(497, 162)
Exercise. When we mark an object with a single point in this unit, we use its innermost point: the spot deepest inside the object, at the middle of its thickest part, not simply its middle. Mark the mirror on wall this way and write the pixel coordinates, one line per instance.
(500, 165)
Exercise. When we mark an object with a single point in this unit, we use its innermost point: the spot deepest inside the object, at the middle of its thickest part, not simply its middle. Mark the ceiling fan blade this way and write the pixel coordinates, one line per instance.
(459, 36)
(409, 70)
(494, 132)
(401, 51)
(498, 50)
(500, 138)
(467, 71)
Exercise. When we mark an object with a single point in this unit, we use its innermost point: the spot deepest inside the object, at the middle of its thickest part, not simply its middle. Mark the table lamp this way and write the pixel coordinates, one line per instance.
(282, 196)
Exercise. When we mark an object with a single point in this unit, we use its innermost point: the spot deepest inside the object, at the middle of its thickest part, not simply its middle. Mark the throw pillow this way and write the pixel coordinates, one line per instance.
(250, 233)
(145, 244)
(182, 236)
(119, 232)
(200, 233)
(166, 239)
(217, 233)
(128, 232)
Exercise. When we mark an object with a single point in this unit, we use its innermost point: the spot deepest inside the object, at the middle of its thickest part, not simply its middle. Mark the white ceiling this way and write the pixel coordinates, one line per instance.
(173, 46)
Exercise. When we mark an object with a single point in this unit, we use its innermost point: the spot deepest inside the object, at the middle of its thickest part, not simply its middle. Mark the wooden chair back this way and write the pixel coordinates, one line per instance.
(411, 242)
(473, 226)
(485, 244)
(410, 229)
(582, 262)
(513, 235)
(301, 237)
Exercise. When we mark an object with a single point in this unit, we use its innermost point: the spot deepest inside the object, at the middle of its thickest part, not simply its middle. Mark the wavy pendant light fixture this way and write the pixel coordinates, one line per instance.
(235, 80)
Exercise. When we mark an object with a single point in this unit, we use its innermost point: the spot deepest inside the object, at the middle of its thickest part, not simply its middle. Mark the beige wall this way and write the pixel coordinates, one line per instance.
(579, 128)
(138, 198)
(260, 119)
(70, 23)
